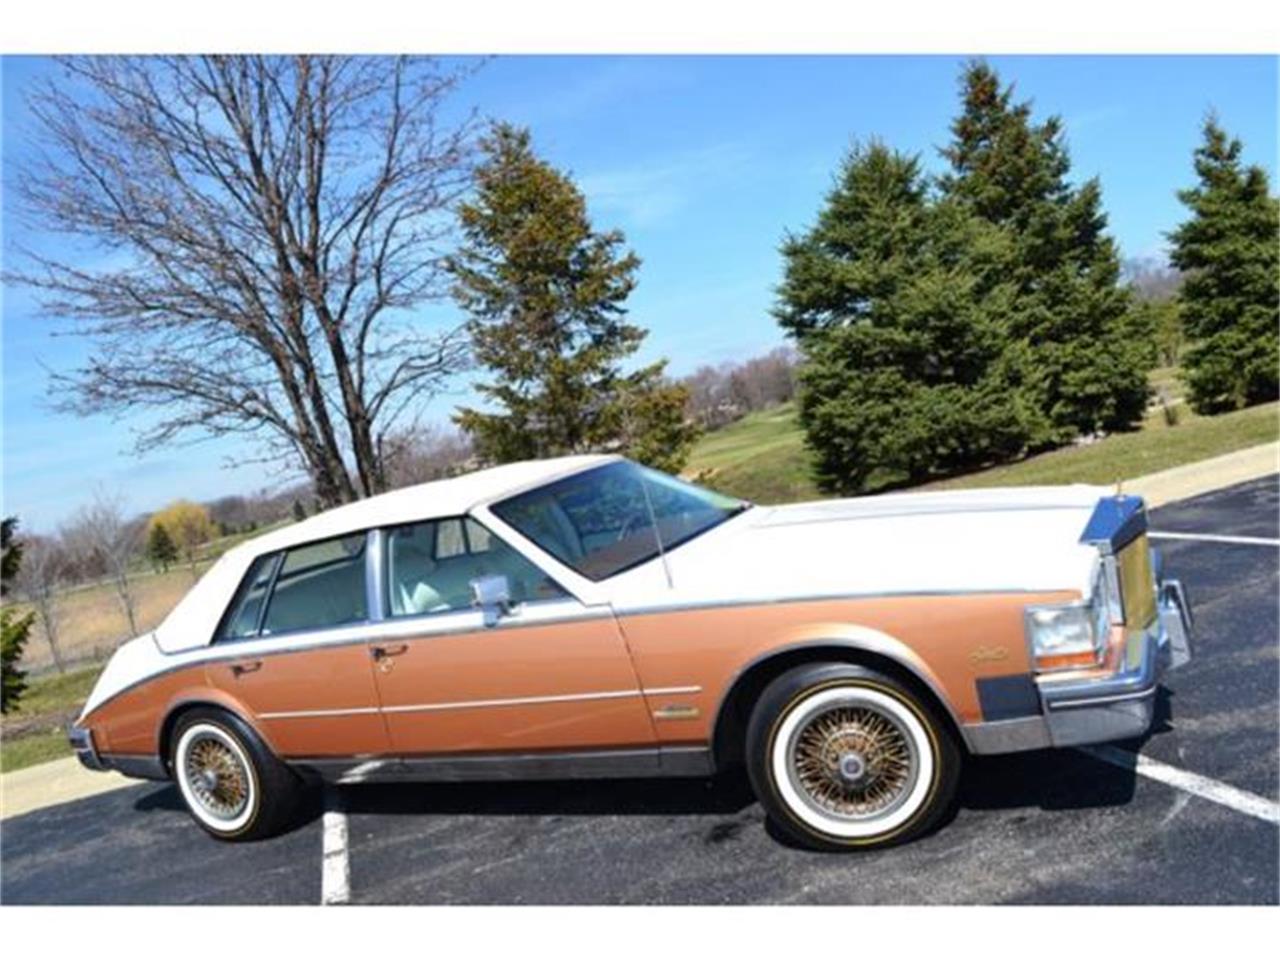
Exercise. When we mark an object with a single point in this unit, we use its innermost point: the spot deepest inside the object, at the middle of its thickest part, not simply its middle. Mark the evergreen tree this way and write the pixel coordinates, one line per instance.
(13, 629)
(161, 550)
(299, 511)
(546, 294)
(900, 342)
(1230, 299)
(1071, 339)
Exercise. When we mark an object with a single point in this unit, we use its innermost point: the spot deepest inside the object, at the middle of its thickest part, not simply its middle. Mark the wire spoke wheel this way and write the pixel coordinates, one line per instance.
(216, 777)
(853, 761)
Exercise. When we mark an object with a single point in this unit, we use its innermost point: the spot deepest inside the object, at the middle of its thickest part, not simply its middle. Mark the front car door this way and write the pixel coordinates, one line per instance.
(293, 649)
(552, 676)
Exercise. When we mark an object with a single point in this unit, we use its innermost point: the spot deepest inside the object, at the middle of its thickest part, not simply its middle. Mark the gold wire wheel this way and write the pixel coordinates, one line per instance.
(217, 777)
(853, 761)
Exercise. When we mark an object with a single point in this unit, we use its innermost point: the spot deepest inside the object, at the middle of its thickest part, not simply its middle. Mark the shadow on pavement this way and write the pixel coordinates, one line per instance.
(1044, 779)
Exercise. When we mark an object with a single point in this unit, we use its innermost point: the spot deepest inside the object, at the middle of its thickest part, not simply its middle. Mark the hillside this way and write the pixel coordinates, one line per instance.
(762, 457)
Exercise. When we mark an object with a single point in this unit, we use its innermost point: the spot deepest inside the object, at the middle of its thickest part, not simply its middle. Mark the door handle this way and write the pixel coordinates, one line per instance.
(383, 651)
(245, 666)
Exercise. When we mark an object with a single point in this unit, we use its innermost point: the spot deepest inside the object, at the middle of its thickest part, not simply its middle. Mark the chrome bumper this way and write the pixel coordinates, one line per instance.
(82, 743)
(1116, 707)
(140, 766)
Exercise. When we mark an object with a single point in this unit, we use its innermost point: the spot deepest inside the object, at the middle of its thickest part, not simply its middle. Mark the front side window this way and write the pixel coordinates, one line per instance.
(319, 585)
(611, 518)
(430, 566)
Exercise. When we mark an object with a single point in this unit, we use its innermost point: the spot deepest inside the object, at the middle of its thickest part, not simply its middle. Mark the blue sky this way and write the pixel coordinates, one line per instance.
(704, 162)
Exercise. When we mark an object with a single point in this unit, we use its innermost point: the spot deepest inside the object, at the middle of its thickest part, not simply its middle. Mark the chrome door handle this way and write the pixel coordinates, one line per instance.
(245, 666)
(381, 652)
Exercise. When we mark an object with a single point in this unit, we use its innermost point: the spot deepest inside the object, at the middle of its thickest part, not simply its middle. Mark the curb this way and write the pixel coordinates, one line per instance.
(1205, 476)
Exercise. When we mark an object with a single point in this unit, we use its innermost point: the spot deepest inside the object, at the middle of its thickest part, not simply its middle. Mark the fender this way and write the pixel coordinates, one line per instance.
(849, 636)
(215, 697)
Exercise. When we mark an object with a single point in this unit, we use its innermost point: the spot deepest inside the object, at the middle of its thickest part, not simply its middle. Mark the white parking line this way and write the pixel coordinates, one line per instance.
(1213, 538)
(1242, 801)
(335, 878)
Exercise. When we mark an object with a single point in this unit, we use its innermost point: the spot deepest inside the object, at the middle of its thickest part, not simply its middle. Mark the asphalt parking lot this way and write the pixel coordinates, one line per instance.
(1049, 827)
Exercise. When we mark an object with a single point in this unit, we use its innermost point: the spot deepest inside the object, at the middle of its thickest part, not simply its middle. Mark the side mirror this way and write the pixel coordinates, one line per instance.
(492, 594)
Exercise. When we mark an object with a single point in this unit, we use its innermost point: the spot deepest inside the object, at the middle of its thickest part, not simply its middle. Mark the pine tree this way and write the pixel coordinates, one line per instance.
(1071, 339)
(13, 629)
(546, 294)
(900, 344)
(299, 511)
(1230, 300)
(161, 550)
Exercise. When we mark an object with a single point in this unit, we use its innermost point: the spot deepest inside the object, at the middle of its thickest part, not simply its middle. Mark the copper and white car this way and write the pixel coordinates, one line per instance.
(588, 617)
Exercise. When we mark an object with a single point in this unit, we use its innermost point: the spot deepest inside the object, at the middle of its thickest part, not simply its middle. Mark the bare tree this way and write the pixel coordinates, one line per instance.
(274, 228)
(100, 530)
(719, 395)
(427, 453)
(43, 573)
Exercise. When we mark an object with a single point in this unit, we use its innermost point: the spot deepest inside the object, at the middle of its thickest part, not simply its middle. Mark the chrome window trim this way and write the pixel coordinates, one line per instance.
(374, 575)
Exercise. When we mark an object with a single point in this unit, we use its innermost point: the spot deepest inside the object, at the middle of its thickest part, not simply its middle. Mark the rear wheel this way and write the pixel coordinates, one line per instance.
(843, 757)
(234, 787)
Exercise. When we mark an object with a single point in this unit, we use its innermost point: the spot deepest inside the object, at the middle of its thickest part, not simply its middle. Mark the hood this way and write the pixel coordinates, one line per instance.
(996, 540)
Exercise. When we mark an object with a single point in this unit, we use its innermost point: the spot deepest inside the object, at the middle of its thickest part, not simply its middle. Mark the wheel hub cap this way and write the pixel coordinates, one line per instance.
(853, 761)
(852, 767)
(217, 778)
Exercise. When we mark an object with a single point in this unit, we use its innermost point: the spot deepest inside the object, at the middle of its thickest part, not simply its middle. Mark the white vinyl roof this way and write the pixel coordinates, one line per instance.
(191, 623)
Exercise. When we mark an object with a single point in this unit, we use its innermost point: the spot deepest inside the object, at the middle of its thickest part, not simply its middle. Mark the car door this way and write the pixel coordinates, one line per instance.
(293, 649)
(552, 674)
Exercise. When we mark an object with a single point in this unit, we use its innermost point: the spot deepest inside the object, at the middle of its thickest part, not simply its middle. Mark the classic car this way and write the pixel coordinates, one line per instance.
(590, 617)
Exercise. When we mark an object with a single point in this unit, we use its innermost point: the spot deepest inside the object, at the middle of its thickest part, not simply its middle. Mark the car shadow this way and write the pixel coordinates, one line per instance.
(1044, 779)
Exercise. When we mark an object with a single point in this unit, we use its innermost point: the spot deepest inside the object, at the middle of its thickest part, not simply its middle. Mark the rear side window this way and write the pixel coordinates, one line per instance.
(246, 609)
(319, 585)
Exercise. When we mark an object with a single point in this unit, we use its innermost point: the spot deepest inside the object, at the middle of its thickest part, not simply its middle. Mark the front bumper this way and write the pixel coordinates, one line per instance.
(1116, 707)
(1122, 705)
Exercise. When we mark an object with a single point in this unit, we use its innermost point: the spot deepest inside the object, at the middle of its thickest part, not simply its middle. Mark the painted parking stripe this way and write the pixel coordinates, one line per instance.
(1242, 801)
(1214, 538)
(335, 877)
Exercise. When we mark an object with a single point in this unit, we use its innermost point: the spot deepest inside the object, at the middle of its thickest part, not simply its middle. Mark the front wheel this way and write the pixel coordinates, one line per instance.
(843, 757)
(234, 787)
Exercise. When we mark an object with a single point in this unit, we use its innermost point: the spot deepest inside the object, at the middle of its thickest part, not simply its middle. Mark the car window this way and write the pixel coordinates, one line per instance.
(246, 608)
(430, 566)
(611, 518)
(319, 585)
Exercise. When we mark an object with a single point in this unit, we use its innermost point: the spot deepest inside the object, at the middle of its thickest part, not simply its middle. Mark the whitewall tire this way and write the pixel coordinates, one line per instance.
(842, 756)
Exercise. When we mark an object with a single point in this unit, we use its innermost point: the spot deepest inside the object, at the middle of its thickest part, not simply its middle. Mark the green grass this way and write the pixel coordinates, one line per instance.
(36, 731)
(762, 457)
(27, 751)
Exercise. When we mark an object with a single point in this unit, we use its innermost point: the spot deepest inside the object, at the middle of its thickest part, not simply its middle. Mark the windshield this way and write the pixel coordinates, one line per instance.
(609, 519)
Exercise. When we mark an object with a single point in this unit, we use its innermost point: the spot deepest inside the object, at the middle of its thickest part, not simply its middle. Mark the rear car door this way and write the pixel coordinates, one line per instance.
(293, 649)
(552, 674)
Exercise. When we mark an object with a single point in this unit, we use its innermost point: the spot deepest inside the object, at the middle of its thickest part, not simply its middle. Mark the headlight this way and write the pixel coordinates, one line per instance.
(1070, 635)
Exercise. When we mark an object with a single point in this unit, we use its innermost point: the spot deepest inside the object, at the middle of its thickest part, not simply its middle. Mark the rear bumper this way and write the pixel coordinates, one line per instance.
(1116, 707)
(81, 740)
(141, 766)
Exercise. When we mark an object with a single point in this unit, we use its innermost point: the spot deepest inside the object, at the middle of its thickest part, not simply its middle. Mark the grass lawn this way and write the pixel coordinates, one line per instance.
(91, 623)
(762, 457)
(37, 730)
